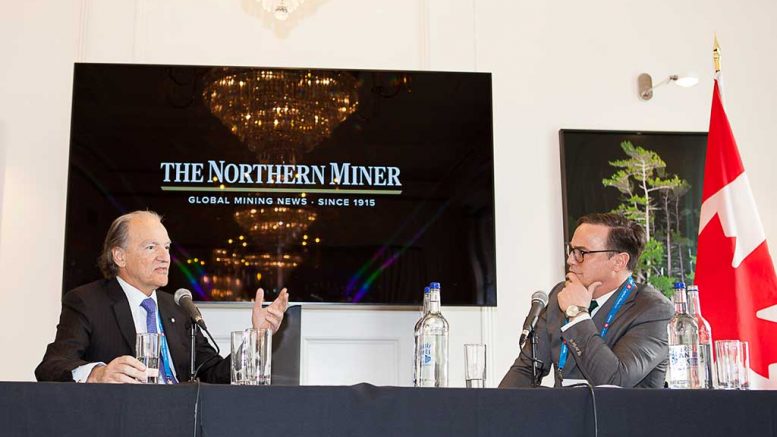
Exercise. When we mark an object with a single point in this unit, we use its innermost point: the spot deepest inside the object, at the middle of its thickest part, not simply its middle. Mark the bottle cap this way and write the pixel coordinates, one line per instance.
(427, 290)
(679, 284)
(434, 285)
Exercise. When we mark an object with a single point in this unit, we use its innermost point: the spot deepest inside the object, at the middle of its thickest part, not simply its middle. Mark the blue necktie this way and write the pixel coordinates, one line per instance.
(150, 306)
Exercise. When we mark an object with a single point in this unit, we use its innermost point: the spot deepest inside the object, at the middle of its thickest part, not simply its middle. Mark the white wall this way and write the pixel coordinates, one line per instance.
(561, 64)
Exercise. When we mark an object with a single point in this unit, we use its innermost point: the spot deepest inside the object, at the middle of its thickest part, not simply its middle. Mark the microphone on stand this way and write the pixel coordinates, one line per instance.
(183, 298)
(538, 301)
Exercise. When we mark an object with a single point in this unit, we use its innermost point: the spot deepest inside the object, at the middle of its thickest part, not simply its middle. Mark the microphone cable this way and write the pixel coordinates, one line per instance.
(593, 402)
(196, 407)
(532, 361)
(196, 380)
(218, 354)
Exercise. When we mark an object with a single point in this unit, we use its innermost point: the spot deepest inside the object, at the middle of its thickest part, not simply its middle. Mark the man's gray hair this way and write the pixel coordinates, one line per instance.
(117, 237)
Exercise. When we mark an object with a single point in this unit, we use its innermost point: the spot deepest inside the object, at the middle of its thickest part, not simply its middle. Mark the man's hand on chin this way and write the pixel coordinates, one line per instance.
(575, 293)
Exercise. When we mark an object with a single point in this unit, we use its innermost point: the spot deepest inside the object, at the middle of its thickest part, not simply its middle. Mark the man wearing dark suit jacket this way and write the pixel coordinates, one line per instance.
(622, 340)
(95, 340)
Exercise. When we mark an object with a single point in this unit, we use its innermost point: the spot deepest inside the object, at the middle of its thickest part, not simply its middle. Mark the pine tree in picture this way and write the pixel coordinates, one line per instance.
(652, 197)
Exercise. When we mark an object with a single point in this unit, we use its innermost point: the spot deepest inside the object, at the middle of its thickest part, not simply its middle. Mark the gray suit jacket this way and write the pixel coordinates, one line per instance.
(634, 353)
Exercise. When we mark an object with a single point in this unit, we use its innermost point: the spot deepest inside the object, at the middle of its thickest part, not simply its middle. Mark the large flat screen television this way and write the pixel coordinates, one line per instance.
(345, 186)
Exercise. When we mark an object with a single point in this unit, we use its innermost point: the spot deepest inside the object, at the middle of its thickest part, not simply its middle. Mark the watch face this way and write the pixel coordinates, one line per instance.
(574, 310)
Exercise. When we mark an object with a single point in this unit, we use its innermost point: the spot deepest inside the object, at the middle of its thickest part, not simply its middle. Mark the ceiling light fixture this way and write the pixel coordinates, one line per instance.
(281, 8)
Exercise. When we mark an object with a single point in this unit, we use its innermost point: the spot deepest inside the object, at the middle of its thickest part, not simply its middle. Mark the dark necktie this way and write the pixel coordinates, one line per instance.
(593, 306)
(150, 306)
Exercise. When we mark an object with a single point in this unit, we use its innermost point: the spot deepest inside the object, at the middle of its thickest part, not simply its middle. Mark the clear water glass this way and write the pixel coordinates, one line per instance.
(263, 356)
(147, 348)
(744, 378)
(251, 357)
(728, 354)
(475, 365)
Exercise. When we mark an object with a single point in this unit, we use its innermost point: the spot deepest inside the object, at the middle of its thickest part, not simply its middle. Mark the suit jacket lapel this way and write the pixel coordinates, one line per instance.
(123, 313)
(624, 309)
(601, 314)
(604, 310)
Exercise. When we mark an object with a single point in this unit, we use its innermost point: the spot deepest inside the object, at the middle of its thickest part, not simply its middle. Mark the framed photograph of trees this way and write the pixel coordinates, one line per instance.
(654, 178)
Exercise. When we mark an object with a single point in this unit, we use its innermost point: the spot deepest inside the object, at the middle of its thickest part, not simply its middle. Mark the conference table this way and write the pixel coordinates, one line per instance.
(69, 409)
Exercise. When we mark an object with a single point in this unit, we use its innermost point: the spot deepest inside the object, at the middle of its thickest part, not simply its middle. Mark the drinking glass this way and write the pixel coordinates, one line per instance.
(475, 365)
(263, 356)
(251, 357)
(728, 355)
(147, 347)
(745, 368)
(243, 357)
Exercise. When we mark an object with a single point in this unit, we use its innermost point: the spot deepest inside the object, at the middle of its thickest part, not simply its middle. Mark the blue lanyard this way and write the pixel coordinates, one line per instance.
(168, 374)
(623, 294)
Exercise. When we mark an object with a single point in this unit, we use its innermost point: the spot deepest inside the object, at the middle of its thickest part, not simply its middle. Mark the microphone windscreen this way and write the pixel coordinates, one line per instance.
(540, 296)
(180, 294)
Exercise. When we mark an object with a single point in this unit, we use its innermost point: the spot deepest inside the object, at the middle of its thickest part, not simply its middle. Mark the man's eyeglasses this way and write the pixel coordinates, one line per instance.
(579, 254)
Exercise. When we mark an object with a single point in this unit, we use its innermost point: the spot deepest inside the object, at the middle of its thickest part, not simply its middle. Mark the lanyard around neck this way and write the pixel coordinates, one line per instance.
(166, 366)
(623, 294)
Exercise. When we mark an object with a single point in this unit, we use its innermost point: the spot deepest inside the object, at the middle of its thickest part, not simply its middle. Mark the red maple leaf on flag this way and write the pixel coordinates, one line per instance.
(734, 271)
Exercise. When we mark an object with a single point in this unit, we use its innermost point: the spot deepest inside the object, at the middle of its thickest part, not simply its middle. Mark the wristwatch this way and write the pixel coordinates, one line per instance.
(573, 310)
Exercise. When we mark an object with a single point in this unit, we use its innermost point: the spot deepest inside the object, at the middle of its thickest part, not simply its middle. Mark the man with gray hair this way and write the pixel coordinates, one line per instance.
(95, 337)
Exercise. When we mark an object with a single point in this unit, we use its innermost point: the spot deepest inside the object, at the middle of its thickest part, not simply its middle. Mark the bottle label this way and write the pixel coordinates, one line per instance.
(679, 360)
(684, 370)
(426, 355)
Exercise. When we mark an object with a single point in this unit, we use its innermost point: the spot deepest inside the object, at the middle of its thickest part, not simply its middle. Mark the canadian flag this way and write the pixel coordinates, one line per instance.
(734, 271)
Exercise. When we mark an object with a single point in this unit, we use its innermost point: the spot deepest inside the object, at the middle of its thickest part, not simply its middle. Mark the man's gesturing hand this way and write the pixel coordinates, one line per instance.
(272, 316)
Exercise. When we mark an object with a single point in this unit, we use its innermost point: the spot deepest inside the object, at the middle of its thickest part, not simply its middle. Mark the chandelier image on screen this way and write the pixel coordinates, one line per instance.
(281, 114)
(267, 250)
(278, 224)
(344, 186)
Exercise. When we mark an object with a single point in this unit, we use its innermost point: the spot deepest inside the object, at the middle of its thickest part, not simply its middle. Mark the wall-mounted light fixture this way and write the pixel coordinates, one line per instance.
(645, 83)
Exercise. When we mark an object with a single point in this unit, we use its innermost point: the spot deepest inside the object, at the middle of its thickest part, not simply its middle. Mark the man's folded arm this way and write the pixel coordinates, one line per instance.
(66, 353)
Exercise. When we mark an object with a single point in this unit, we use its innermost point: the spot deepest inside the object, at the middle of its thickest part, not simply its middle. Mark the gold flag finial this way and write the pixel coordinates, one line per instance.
(716, 54)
